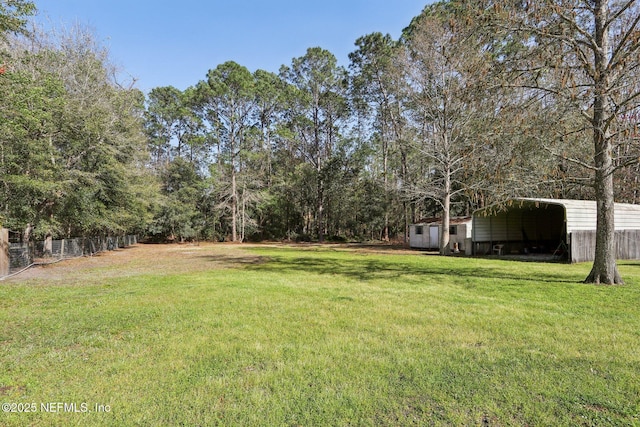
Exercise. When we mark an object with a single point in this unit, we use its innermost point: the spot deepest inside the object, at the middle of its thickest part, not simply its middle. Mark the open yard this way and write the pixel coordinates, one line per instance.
(271, 335)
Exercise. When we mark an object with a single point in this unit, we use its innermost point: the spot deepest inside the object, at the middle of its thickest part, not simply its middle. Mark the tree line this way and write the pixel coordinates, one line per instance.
(72, 154)
(475, 103)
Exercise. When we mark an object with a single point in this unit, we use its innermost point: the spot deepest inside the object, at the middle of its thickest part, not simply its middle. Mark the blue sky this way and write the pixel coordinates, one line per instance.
(175, 43)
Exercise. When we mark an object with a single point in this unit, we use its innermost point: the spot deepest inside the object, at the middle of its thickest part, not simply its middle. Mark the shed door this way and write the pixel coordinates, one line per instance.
(434, 237)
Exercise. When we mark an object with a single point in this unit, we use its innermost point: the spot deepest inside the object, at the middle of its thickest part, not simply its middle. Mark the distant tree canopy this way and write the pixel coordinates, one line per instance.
(13, 15)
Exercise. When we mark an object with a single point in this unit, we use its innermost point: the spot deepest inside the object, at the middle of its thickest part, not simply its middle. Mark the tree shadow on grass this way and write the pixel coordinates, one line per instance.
(367, 269)
(629, 263)
(234, 260)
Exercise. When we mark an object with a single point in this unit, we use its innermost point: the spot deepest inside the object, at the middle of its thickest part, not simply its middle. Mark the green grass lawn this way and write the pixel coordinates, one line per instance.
(323, 336)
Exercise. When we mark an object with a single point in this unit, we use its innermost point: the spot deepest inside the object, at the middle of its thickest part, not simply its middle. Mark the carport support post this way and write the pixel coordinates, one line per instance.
(491, 234)
(4, 252)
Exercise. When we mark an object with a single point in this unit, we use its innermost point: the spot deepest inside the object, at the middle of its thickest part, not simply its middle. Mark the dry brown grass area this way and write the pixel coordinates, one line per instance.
(139, 260)
(144, 259)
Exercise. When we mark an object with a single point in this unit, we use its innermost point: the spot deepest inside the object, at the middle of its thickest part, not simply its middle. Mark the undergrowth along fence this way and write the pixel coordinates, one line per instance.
(15, 256)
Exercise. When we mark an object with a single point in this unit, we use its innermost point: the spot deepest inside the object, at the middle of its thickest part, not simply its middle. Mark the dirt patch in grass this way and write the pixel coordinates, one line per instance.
(139, 260)
(144, 259)
(387, 248)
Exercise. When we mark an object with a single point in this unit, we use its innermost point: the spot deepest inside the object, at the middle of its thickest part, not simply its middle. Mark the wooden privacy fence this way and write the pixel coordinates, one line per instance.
(583, 245)
(16, 256)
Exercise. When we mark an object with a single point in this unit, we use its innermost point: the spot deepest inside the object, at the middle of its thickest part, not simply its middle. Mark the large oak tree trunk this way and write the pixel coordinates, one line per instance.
(604, 268)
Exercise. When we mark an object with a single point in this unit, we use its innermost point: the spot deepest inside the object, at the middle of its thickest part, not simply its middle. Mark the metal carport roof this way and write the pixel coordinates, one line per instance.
(581, 215)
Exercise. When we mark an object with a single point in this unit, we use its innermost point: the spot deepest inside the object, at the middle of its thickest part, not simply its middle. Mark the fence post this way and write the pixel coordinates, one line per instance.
(48, 246)
(4, 252)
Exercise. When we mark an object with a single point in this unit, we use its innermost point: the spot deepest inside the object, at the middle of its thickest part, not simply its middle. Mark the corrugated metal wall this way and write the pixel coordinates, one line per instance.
(582, 214)
(627, 217)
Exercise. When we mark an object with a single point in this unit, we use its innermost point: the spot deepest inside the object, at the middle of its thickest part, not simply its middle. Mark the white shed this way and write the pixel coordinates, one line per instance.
(426, 235)
(560, 227)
